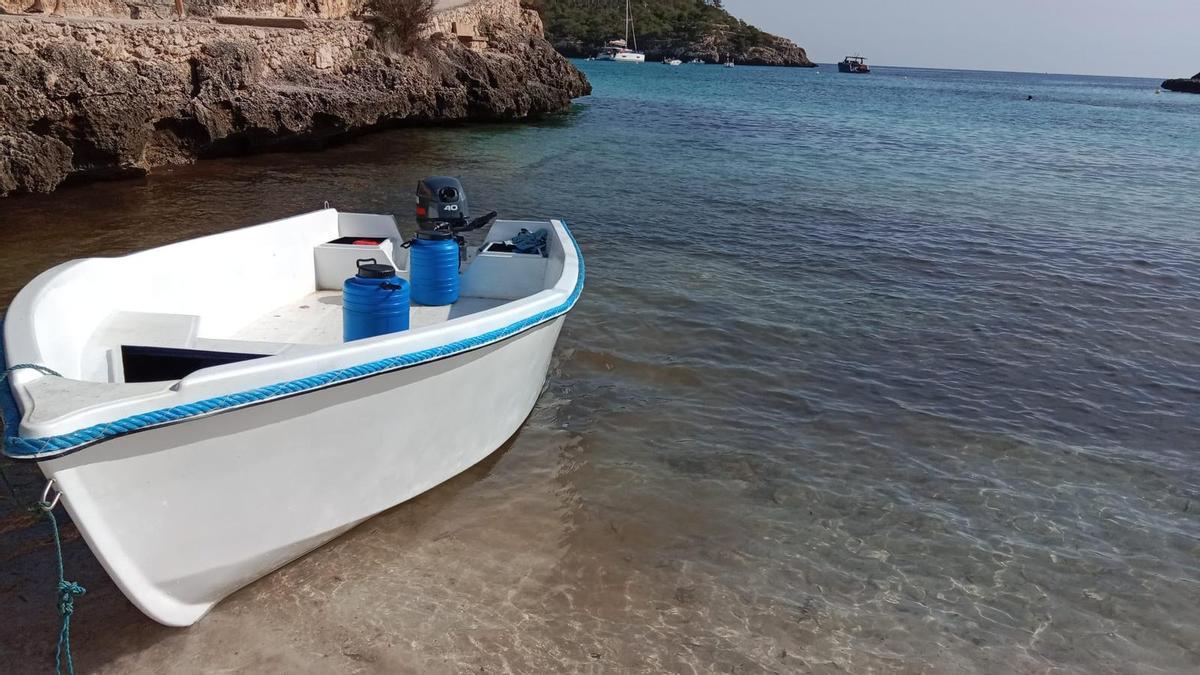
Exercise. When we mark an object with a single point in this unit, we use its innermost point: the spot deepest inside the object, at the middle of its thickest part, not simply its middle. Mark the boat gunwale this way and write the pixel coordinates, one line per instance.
(274, 399)
(59, 445)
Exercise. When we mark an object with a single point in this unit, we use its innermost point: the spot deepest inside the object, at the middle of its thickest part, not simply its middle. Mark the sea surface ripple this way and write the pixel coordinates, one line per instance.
(887, 373)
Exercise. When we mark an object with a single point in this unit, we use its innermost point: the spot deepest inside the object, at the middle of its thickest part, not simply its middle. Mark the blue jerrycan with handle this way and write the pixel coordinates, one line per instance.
(374, 302)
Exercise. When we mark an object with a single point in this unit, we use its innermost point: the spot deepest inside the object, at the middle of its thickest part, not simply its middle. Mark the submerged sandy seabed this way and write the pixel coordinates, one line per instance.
(554, 555)
(503, 569)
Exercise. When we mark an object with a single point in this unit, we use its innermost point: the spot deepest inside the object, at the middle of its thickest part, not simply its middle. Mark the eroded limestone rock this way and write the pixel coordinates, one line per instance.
(96, 99)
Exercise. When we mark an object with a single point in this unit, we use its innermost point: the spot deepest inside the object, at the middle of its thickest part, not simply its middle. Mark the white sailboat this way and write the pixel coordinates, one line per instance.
(618, 50)
(204, 422)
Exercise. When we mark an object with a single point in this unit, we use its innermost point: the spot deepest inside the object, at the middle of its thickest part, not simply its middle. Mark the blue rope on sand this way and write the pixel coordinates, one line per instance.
(67, 590)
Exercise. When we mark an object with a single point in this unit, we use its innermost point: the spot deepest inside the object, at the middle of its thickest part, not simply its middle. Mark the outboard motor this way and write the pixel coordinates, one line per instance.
(439, 249)
(441, 204)
(442, 207)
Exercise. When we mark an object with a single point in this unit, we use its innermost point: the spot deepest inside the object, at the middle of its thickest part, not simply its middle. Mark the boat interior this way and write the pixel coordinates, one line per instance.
(162, 314)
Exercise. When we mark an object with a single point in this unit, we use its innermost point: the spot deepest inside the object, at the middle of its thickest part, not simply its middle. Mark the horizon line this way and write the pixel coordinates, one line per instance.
(1013, 72)
(1153, 78)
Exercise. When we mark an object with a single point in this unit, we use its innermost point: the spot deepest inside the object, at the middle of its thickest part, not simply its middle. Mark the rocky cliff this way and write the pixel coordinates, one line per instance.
(101, 98)
(1191, 86)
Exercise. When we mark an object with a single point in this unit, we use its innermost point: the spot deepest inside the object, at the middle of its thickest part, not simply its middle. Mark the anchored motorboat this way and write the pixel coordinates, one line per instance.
(854, 64)
(213, 409)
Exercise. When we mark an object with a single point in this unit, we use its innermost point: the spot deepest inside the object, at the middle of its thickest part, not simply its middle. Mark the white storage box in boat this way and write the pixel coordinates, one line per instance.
(337, 260)
(498, 272)
(198, 427)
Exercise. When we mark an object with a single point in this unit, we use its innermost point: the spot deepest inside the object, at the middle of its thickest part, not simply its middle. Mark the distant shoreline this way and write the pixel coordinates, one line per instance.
(666, 31)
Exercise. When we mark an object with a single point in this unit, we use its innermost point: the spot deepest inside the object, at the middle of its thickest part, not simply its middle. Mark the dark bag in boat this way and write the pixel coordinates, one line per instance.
(531, 242)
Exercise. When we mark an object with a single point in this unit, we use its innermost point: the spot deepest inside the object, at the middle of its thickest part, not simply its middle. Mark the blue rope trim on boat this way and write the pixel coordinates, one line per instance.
(9, 414)
(49, 446)
(8, 405)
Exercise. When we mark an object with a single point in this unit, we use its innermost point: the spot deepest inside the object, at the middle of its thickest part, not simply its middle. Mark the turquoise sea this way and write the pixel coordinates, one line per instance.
(896, 373)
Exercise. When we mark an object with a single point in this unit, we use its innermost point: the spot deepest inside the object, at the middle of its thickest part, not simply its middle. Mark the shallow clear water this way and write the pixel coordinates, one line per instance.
(897, 372)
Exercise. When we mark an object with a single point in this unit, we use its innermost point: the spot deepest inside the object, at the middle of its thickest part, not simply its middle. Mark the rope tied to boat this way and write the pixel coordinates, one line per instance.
(29, 366)
(67, 590)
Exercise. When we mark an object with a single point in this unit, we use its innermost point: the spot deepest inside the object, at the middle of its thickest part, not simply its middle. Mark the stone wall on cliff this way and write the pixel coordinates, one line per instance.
(506, 14)
(164, 9)
(87, 98)
(322, 9)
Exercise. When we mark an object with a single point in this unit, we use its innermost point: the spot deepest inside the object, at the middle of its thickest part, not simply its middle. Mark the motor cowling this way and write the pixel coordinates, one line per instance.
(441, 205)
(442, 217)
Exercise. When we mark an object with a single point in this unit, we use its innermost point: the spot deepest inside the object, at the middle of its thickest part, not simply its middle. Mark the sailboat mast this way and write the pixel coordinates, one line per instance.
(629, 25)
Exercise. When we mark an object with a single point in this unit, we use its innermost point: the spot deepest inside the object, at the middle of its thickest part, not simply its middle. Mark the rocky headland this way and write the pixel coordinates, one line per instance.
(1190, 86)
(715, 48)
(106, 96)
(666, 29)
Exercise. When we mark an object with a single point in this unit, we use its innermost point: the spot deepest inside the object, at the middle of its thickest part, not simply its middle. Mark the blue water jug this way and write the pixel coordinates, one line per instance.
(374, 302)
(433, 268)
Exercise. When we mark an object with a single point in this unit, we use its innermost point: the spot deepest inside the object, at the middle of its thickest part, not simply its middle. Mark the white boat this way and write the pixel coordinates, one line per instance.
(674, 62)
(618, 50)
(730, 64)
(272, 436)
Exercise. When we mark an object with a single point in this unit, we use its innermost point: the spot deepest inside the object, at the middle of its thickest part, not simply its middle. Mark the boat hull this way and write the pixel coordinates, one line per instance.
(623, 58)
(183, 515)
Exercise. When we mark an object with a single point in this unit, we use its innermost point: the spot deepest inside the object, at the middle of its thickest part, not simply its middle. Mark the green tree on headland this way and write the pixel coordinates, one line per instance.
(397, 23)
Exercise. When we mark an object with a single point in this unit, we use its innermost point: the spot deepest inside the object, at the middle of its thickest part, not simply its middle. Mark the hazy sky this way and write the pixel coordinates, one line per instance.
(1154, 38)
